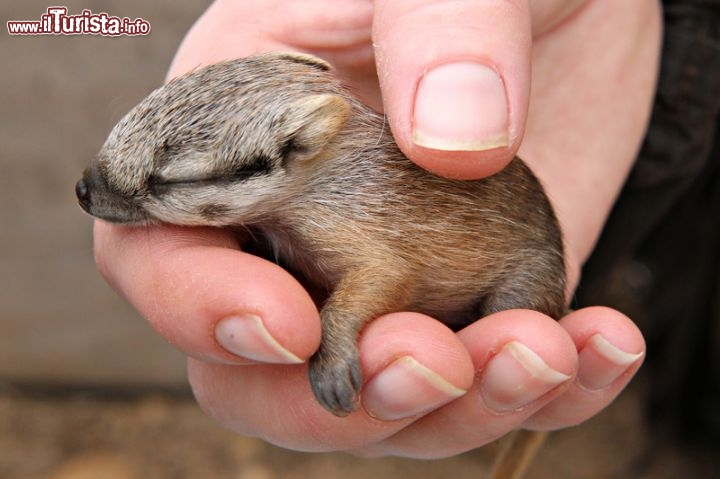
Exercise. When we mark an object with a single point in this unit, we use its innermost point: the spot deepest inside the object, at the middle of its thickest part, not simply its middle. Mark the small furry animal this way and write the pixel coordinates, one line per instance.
(275, 144)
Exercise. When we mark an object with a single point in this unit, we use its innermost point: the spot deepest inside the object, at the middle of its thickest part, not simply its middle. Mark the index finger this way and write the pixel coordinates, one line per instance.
(206, 297)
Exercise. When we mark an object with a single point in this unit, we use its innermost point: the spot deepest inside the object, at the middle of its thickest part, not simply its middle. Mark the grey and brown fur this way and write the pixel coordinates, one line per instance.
(275, 143)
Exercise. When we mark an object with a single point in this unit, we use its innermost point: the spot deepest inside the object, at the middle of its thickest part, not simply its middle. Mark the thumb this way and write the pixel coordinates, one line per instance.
(455, 79)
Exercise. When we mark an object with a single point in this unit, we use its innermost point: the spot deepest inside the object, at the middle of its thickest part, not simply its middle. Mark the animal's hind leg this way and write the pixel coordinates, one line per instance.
(547, 298)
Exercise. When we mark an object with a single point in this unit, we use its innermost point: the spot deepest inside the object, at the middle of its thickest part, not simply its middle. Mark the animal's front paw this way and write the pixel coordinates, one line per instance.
(335, 380)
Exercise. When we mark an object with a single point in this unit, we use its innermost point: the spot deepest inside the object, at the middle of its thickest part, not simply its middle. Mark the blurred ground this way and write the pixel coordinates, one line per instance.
(113, 435)
(86, 389)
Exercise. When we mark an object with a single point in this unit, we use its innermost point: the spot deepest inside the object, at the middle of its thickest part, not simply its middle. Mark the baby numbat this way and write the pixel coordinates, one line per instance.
(275, 144)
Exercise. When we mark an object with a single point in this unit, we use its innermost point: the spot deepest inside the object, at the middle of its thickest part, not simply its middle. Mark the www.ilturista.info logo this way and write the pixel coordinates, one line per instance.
(57, 22)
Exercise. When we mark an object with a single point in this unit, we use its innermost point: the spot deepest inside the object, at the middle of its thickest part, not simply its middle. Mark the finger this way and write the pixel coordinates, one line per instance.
(206, 297)
(230, 29)
(455, 78)
(415, 364)
(226, 30)
(412, 364)
(523, 360)
(611, 350)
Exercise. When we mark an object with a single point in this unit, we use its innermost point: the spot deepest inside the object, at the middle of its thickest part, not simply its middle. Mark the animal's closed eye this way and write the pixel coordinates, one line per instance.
(166, 180)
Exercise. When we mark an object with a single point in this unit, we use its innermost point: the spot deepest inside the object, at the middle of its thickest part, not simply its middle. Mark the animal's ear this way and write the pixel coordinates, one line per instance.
(305, 59)
(311, 122)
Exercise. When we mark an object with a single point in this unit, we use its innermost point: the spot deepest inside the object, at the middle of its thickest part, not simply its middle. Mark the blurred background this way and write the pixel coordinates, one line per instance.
(86, 388)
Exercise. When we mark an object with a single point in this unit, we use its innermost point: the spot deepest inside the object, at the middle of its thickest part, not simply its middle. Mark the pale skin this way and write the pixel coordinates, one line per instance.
(593, 67)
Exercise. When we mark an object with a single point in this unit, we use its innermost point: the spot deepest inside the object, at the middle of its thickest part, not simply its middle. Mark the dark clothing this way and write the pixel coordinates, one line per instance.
(658, 259)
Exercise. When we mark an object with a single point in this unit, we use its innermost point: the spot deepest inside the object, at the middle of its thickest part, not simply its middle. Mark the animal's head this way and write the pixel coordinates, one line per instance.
(214, 145)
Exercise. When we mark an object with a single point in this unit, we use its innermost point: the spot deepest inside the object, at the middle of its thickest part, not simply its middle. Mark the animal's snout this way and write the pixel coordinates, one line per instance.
(90, 186)
(97, 199)
(83, 194)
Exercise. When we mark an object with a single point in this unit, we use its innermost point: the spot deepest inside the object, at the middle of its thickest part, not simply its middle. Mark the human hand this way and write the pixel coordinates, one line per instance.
(211, 300)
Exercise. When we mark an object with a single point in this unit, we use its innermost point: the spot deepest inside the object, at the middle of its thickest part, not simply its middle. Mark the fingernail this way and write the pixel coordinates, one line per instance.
(515, 377)
(247, 337)
(601, 363)
(406, 388)
(461, 107)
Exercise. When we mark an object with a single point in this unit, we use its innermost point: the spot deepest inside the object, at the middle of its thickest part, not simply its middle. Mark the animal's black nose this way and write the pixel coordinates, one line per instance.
(83, 194)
